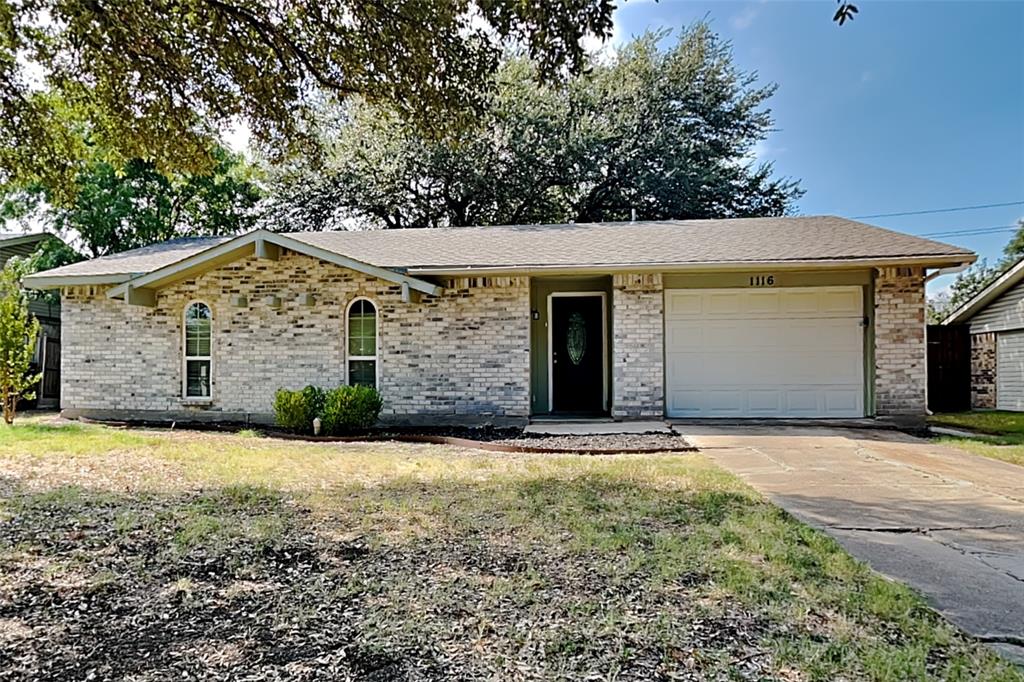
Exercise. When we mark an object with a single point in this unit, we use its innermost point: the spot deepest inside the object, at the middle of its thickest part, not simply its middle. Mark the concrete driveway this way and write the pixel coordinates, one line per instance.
(945, 522)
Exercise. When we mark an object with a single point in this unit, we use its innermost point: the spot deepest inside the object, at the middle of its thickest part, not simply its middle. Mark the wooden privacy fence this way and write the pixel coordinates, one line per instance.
(949, 368)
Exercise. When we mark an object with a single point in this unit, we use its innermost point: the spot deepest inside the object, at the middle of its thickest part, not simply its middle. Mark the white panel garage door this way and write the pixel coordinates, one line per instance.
(1010, 370)
(795, 352)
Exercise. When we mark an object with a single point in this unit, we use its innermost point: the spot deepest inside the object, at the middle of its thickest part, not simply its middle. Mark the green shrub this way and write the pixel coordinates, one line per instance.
(314, 397)
(290, 411)
(348, 408)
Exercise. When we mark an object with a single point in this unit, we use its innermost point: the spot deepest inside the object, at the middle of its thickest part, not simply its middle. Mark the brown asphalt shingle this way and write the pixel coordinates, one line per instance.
(671, 242)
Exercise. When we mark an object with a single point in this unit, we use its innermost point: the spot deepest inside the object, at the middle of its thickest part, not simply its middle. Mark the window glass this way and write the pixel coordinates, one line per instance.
(362, 373)
(362, 329)
(198, 343)
(362, 344)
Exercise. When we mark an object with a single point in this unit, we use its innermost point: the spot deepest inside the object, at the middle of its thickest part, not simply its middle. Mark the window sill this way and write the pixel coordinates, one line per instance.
(197, 402)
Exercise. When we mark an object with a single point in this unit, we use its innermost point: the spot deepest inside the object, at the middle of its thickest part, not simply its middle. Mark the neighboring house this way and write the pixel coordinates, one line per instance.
(47, 354)
(995, 317)
(762, 317)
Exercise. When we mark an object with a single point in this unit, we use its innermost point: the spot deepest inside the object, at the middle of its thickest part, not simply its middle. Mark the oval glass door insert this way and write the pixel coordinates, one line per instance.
(576, 338)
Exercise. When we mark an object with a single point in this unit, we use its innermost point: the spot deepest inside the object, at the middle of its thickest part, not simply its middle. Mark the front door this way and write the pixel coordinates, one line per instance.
(577, 354)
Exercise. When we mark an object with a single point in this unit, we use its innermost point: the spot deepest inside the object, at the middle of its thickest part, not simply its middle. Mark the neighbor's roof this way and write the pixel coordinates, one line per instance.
(986, 296)
(812, 241)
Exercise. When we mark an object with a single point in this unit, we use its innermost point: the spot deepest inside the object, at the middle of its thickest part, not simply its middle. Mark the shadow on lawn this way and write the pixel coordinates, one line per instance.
(543, 579)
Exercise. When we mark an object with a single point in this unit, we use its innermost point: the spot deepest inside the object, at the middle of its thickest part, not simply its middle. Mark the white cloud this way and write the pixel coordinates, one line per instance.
(744, 19)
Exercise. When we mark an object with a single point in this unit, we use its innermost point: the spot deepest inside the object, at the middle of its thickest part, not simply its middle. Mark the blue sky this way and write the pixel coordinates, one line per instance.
(913, 106)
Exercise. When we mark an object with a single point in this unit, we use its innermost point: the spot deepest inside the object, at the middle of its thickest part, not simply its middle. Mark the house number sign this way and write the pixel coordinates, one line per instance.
(762, 280)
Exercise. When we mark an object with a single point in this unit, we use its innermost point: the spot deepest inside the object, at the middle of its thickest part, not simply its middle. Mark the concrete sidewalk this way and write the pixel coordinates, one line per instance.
(948, 523)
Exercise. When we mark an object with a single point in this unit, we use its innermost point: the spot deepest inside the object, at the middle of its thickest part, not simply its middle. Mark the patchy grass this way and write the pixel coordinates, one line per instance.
(991, 422)
(1000, 435)
(996, 448)
(150, 555)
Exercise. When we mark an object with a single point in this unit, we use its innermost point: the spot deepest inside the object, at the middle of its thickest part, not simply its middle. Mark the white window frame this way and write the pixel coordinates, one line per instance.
(376, 356)
(185, 357)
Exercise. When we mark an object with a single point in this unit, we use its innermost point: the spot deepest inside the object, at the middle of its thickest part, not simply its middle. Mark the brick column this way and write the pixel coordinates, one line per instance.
(901, 375)
(638, 374)
(983, 371)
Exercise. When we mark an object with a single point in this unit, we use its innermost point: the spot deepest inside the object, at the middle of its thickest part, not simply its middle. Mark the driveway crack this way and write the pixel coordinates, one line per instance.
(924, 530)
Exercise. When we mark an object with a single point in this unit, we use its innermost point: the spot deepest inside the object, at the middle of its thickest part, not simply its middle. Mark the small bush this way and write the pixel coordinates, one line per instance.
(314, 397)
(340, 410)
(292, 410)
(348, 408)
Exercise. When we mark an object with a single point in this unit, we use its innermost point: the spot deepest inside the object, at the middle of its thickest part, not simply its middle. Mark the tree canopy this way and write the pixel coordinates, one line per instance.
(667, 132)
(119, 208)
(158, 79)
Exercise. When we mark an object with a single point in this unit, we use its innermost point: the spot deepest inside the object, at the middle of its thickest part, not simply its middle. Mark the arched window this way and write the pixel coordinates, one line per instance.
(198, 349)
(362, 343)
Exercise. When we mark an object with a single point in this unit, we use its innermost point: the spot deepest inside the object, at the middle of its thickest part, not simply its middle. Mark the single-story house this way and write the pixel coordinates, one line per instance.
(46, 358)
(762, 317)
(995, 317)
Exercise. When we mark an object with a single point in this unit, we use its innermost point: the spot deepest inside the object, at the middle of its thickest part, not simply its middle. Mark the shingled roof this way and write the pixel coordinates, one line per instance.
(811, 240)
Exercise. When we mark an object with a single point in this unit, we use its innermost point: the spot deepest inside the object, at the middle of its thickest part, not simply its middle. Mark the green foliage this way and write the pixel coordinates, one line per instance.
(669, 133)
(971, 281)
(292, 411)
(350, 408)
(18, 333)
(120, 208)
(160, 81)
(341, 410)
(51, 253)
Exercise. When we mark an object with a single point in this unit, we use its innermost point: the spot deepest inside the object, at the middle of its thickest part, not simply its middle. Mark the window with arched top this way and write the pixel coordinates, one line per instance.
(361, 326)
(198, 351)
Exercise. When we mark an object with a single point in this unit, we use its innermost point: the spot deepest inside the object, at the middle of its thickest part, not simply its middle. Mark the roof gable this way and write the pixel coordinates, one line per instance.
(264, 244)
(988, 295)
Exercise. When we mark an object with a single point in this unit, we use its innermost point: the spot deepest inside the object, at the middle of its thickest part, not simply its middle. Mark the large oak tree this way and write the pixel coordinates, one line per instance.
(157, 80)
(667, 132)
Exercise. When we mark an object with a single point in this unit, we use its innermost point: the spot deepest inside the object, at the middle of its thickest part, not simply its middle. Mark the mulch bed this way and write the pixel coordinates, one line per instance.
(492, 438)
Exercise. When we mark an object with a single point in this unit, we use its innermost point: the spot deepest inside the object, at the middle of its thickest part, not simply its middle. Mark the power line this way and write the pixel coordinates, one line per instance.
(965, 231)
(940, 210)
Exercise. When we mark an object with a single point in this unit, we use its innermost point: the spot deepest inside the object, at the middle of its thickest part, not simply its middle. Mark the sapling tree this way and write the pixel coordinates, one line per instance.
(19, 330)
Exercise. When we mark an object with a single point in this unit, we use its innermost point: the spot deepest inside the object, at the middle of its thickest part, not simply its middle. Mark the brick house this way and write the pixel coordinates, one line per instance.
(760, 317)
(995, 318)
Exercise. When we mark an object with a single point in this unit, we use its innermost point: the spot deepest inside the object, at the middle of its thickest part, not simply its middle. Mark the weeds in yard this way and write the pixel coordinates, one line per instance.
(263, 560)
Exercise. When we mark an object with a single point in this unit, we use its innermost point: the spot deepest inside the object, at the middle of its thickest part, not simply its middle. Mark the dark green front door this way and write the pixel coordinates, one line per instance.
(577, 354)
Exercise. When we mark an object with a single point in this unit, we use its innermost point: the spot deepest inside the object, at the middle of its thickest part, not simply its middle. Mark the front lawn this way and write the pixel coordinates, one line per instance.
(146, 555)
(992, 422)
(1000, 435)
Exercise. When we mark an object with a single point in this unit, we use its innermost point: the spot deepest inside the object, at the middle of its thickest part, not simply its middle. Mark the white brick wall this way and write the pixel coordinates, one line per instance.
(465, 352)
(901, 375)
(638, 358)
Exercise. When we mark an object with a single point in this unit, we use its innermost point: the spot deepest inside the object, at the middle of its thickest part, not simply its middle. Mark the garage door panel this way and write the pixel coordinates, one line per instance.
(683, 303)
(778, 353)
(726, 303)
(790, 367)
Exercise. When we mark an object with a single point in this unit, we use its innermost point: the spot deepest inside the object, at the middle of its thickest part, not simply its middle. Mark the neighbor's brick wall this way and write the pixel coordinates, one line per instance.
(901, 377)
(465, 352)
(638, 388)
(983, 371)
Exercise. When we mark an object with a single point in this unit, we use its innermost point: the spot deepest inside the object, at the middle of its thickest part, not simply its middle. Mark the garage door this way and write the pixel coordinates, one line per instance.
(795, 352)
(1010, 371)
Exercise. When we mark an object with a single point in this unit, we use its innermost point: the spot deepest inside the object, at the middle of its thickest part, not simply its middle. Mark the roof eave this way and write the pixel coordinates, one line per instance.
(927, 261)
(44, 281)
(981, 300)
